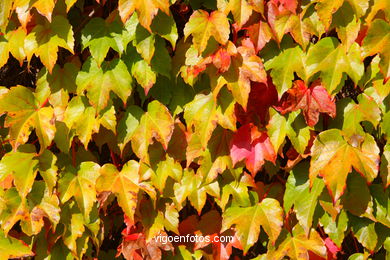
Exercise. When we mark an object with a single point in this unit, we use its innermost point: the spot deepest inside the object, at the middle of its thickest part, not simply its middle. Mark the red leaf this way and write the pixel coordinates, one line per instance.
(261, 97)
(252, 145)
(312, 101)
(259, 33)
(290, 5)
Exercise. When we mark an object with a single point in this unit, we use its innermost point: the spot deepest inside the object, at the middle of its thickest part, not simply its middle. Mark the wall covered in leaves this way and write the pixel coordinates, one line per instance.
(266, 120)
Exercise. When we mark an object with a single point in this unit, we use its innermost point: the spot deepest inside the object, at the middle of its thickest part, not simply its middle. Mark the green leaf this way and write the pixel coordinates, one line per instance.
(156, 123)
(331, 59)
(11, 247)
(47, 37)
(112, 76)
(12, 209)
(298, 131)
(385, 166)
(201, 114)
(303, 196)
(283, 67)
(100, 35)
(276, 129)
(80, 184)
(268, 214)
(24, 112)
(5, 12)
(165, 26)
(128, 124)
(335, 228)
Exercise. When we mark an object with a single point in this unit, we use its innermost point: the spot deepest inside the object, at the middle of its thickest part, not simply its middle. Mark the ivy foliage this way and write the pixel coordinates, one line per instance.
(264, 120)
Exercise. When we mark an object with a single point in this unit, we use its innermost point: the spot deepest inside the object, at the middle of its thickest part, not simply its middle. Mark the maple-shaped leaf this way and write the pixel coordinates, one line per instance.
(25, 111)
(80, 184)
(202, 25)
(267, 214)
(298, 245)
(146, 10)
(377, 40)
(156, 123)
(332, 60)
(123, 184)
(283, 67)
(100, 35)
(312, 100)
(45, 39)
(331, 153)
(99, 82)
(45, 7)
(11, 248)
(252, 145)
(365, 110)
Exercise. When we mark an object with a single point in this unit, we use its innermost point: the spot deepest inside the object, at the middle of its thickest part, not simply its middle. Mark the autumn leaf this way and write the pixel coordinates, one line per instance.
(13, 248)
(156, 123)
(312, 100)
(297, 245)
(146, 10)
(45, 39)
(252, 145)
(329, 155)
(202, 25)
(268, 214)
(24, 112)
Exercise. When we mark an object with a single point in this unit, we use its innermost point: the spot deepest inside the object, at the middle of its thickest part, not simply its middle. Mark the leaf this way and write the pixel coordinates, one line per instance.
(268, 214)
(241, 11)
(146, 10)
(252, 145)
(377, 40)
(123, 184)
(100, 35)
(128, 124)
(156, 123)
(301, 195)
(80, 184)
(23, 168)
(201, 114)
(47, 37)
(12, 209)
(259, 33)
(366, 110)
(112, 76)
(329, 153)
(45, 7)
(5, 12)
(331, 59)
(165, 26)
(202, 25)
(24, 112)
(297, 245)
(283, 67)
(11, 247)
(276, 129)
(335, 228)
(312, 100)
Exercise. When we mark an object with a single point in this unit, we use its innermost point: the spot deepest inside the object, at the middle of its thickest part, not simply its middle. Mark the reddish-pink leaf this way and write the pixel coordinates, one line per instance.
(331, 248)
(252, 145)
(290, 5)
(312, 101)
